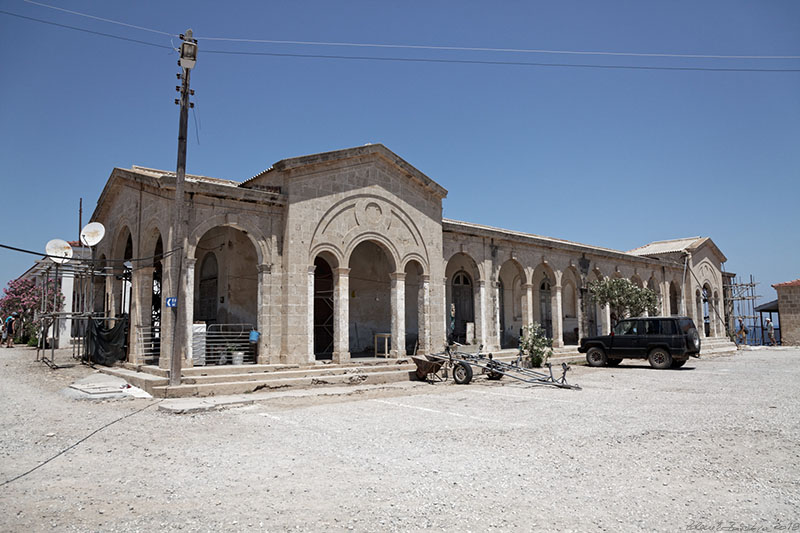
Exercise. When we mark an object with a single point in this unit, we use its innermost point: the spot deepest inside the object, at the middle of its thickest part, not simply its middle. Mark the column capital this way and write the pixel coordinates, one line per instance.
(265, 268)
(190, 261)
(311, 269)
(425, 278)
(527, 286)
(341, 271)
(397, 276)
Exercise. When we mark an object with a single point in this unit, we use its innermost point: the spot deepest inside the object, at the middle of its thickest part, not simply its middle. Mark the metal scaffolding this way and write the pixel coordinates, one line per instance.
(740, 303)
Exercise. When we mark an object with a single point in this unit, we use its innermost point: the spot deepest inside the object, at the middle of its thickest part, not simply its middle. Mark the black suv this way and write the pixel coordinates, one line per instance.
(664, 341)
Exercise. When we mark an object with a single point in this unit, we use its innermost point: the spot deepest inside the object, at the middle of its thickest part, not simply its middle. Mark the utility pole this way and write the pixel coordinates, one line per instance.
(186, 62)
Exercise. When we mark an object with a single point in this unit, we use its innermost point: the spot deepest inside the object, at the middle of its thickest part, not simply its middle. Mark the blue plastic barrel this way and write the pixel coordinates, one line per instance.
(254, 335)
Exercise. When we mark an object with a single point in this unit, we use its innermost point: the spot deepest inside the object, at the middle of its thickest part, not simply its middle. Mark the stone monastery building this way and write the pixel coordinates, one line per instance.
(320, 253)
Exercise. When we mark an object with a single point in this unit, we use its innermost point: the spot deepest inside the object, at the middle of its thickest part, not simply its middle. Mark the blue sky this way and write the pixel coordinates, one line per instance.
(608, 157)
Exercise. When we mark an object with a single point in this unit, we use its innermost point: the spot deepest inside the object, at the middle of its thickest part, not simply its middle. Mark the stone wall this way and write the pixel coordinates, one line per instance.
(789, 309)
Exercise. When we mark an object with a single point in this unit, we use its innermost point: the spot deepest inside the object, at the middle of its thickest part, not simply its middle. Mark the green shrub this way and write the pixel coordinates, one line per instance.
(534, 342)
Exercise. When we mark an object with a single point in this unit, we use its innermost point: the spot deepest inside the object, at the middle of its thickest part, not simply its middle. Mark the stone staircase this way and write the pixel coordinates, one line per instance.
(240, 379)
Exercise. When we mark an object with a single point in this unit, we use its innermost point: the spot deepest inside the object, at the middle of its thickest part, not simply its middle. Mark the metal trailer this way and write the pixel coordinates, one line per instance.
(436, 367)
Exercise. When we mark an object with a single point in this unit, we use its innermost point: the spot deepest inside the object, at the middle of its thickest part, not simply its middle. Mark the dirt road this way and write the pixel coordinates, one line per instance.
(715, 444)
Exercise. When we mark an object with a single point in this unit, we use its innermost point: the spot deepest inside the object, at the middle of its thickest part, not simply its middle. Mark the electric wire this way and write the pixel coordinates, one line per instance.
(89, 260)
(427, 47)
(68, 448)
(101, 19)
(504, 63)
(87, 31)
(501, 50)
(439, 60)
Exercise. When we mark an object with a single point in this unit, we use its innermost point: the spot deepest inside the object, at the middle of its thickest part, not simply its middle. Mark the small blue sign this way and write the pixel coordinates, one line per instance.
(171, 302)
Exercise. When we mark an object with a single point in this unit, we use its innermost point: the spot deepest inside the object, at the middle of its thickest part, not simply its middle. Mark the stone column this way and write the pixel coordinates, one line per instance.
(527, 304)
(497, 337)
(139, 307)
(606, 319)
(341, 315)
(398, 302)
(480, 329)
(187, 280)
(263, 320)
(424, 315)
(310, 357)
(558, 317)
(447, 297)
(665, 310)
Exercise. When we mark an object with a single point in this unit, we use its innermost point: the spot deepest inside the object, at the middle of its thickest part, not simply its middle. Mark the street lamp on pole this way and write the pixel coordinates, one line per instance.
(187, 61)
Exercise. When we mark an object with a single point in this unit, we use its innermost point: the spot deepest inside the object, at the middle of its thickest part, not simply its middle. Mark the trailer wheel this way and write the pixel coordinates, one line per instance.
(462, 373)
(596, 356)
(494, 375)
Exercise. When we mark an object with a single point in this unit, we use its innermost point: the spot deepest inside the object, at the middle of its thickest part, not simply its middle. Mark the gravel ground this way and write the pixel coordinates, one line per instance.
(713, 446)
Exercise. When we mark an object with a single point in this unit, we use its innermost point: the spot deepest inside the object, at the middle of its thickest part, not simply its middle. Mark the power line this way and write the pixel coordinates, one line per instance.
(87, 31)
(410, 59)
(506, 63)
(428, 47)
(101, 19)
(485, 49)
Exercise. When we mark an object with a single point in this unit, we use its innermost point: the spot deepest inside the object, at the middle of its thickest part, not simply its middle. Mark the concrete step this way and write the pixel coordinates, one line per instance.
(311, 372)
(273, 383)
(143, 380)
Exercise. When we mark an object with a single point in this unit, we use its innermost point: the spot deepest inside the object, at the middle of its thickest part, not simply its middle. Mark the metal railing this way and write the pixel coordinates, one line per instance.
(148, 339)
(222, 344)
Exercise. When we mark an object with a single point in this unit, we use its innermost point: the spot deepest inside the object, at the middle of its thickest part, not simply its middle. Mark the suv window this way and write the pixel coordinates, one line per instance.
(651, 327)
(667, 327)
(626, 327)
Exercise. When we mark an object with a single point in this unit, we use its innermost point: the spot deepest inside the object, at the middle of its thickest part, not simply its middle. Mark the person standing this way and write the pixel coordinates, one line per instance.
(771, 333)
(10, 329)
(741, 334)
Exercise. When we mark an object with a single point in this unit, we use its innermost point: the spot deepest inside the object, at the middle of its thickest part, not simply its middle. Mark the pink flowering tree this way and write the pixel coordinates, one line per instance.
(25, 297)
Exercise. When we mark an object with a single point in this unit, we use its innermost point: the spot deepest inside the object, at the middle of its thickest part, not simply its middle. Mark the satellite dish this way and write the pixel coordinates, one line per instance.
(92, 233)
(59, 251)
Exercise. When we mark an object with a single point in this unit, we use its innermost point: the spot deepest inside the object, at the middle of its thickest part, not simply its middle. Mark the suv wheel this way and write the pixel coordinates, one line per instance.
(694, 340)
(596, 356)
(659, 358)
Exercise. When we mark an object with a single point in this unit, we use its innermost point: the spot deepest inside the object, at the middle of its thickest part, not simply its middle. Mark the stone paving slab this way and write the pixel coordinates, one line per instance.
(195, 405)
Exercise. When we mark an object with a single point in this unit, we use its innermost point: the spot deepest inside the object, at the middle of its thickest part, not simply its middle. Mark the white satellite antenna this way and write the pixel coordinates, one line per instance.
(59, 251)
(92, 233)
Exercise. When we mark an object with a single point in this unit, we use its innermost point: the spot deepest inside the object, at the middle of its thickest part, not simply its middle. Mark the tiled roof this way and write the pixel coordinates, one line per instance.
(795, 283)
(664, 247)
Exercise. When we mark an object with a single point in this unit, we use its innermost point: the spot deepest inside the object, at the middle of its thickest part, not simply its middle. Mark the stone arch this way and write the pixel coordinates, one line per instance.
(544, 288)
(637, 280)
(387, 246)
(372, 268)
(226, 292)
(570, 305)
(510, 298)
(415, 318)
(596, 319)
(361, 217)
(462, 298)
(674, 298)
(324, 305)
(707, 295)
(654, 286)
(256, 236)
(118, 282)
